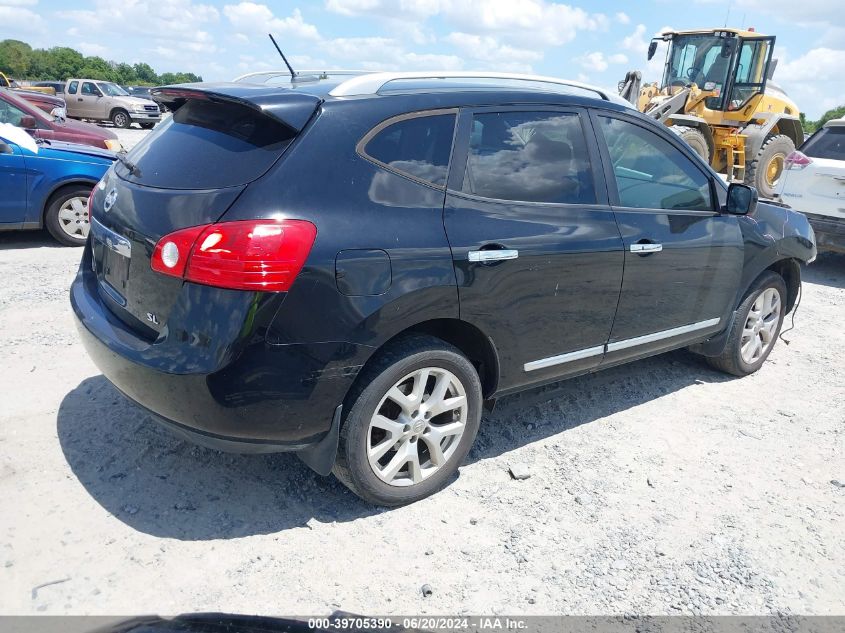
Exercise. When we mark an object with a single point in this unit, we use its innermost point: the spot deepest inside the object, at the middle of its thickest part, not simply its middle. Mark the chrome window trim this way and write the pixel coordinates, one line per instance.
(360, 147)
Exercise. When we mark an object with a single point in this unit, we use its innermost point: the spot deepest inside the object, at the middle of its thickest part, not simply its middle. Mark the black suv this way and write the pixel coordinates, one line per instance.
(349, 267)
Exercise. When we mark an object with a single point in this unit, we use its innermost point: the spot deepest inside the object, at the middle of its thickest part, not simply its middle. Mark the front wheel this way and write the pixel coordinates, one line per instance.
(120, 118)
(412, 422)
(67, 217)
(147, 126)
(755, 327)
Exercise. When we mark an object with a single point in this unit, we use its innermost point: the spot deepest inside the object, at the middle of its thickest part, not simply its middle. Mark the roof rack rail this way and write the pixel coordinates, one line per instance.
(275, 73)
(372, 83)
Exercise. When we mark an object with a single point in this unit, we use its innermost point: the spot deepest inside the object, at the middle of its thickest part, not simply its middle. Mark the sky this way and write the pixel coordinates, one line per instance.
(594, 42)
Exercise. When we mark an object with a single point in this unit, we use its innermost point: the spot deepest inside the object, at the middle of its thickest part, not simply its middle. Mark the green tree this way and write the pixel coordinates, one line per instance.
(179, 78)
(97, 68)
(836, 113)
(64, 63)
(125, 74)
(146, 74)
(15, 57)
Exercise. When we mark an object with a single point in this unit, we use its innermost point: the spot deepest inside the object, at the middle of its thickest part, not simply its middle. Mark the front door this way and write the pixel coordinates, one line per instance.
(12, 183)
(88, 101)
(537, 252)
(683, 258)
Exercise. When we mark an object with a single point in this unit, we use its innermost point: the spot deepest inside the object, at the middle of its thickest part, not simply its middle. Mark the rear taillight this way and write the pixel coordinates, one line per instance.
(264, 255)
(797, 160)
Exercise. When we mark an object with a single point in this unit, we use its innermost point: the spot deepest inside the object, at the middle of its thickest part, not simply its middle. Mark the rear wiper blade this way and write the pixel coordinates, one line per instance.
(132, 167)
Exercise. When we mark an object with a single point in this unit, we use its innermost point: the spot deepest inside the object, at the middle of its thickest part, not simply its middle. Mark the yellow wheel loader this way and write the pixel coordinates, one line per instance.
(717, 94)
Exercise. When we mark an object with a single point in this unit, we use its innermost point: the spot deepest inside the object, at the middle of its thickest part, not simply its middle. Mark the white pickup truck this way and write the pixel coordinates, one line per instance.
(813, 182)
(106, 101)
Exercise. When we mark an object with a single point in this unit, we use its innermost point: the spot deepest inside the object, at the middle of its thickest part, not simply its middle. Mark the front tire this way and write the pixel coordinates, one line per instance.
(67, 217)
(120, 118)
(147, 126)
(412, 421)
(755, 327)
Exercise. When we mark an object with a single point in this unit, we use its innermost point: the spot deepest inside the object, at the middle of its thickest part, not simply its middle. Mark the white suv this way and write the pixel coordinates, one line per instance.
(813, 182)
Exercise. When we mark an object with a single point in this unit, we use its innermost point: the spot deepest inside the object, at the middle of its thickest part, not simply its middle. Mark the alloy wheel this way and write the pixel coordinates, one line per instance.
(417, 426)
(73, 217)
(758, 335)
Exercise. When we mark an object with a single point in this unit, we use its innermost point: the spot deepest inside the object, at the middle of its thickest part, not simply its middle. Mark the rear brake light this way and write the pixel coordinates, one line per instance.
(264, 255)
(797, 160)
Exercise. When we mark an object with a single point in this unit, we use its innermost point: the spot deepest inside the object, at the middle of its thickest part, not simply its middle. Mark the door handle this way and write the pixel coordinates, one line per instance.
(79, 98)
(493, 255)
(646, 248)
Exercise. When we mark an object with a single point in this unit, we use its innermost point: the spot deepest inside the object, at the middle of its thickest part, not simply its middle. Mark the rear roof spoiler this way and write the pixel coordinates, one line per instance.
(293, 109)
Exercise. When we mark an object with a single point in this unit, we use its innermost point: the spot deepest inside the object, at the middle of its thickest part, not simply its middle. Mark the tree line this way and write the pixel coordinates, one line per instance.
(19, 60)
(812, 126)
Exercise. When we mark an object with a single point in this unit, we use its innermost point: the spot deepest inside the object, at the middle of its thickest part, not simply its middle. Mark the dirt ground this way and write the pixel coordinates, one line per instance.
(658, 487)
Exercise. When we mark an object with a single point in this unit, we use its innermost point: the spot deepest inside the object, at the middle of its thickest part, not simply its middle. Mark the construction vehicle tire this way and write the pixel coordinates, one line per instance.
(695, 139)
(765, 170)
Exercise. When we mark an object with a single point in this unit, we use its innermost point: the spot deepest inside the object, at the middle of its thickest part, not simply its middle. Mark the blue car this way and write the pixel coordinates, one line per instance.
(48, 187)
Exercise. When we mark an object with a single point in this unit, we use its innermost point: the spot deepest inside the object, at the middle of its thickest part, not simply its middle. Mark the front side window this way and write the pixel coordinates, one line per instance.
(529, 157)
(650, 172)
(72, 87)
(89, 89)
(419, 146)
(750, 72)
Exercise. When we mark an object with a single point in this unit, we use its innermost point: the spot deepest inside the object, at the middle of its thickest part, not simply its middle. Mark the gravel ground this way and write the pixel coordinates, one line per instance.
(658, 487)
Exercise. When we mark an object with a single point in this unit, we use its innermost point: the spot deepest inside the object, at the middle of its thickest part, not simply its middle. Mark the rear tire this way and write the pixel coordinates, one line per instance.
(67, 218)
(766, 170)
(695, 139)
(120, 118)
(755, 327)
(147, 126)
(395, 448)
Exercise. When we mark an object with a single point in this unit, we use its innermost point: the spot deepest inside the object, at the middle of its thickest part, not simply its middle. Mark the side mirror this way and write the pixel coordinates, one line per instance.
(58, 114)
(28, 122)
(742, 199)
(728, 47)
(652, 49)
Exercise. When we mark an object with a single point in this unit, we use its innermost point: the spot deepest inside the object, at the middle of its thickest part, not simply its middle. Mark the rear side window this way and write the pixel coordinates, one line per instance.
(529, 157)
(418, 146)
(828, 142)
(208, 145)
(650, 172)
(72, 87)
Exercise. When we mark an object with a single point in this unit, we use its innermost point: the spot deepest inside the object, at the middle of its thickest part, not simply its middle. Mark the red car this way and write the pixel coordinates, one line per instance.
(46, 102)
(22, 113)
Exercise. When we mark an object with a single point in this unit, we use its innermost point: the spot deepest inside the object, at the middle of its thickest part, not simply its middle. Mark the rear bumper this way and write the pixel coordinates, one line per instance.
(830, 232)
(270, 398)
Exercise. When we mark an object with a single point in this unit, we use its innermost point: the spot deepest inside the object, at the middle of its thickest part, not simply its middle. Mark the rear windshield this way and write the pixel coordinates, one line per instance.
(207, 145)
(828, 142)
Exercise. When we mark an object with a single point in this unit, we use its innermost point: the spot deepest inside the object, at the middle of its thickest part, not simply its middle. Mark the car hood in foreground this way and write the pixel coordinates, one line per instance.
(74, 151)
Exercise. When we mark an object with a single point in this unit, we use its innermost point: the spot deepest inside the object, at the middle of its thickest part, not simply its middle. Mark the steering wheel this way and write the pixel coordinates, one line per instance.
(693, 72)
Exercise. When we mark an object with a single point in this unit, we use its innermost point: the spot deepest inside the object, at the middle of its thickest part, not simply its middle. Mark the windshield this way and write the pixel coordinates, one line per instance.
(112, 90)
(698, 59)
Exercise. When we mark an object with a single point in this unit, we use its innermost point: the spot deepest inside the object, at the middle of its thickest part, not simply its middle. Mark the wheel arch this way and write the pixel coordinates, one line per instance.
(56, 190)
(116, 109)
(468, 338)
(790, 270)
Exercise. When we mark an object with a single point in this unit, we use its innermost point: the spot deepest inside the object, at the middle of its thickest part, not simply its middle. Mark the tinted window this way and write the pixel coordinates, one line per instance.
(73, 86)
(828, 142)
(530, 157)
(651, 173)
(208, 145)
(89, 89)
(10, 114)
(419, 146)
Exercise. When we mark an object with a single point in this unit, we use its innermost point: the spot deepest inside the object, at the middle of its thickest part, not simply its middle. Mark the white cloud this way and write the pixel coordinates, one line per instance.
(618, 58)
(636, 42)
(813, 80)
(17, 19)
(90, 48)
(622, 18)
(597, 61)
(249, 17)
(488, 49)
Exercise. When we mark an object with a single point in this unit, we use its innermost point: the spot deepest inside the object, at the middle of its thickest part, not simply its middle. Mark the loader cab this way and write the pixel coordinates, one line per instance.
(732, 66)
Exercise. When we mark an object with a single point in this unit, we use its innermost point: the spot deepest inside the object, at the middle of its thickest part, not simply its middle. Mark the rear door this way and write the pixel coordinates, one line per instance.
(537, 253)
(683, 258)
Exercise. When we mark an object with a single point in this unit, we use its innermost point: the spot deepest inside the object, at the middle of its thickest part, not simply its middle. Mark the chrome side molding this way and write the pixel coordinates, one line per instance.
(618, 345)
